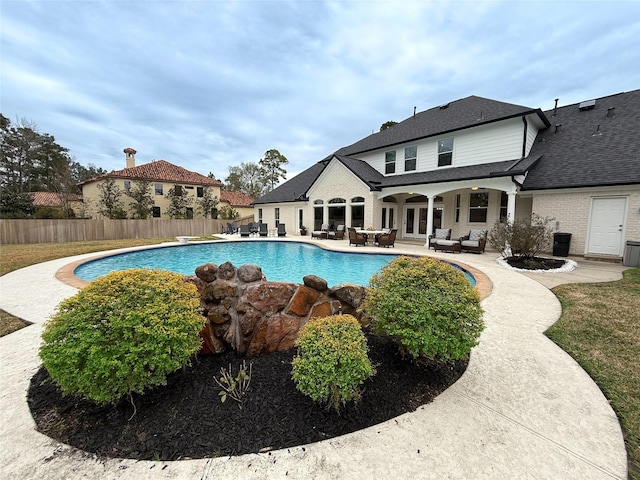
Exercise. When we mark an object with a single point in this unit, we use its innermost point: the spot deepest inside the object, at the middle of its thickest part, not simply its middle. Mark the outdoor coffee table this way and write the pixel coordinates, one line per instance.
(448, 246)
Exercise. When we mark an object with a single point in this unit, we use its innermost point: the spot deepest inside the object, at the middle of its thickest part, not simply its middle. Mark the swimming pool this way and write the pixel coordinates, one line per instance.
(280, 261)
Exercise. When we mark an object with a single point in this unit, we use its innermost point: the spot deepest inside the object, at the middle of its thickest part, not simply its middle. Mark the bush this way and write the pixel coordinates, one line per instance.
(123, 333)
(332, 360)
(520, 238)
(427, 306)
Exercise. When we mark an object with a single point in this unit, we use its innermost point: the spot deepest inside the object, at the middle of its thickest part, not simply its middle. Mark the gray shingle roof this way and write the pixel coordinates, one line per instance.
(458, 115)
(596, 147)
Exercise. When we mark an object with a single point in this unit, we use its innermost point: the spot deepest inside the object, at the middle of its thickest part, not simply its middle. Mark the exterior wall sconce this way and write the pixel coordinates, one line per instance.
(474, 188)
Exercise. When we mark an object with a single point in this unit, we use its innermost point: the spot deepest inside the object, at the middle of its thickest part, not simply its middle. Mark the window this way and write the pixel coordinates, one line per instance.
(410, 154)
(478, 203)
(318, 217)
(445, 152)
(357, 200)
(214, 214)
(189, 213)
(277, 216)
(457, 212)
(504, 201)
(159, 189)
(156, 212)
(390, 162)
(188, 187)
(177, 190)
(260, 215)
(337, 200)
(384, 218)
(127, 185)
(200, 192)
(318, 202)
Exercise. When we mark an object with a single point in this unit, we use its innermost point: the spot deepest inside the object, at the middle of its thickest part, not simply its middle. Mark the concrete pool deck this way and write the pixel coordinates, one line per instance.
(522, 410)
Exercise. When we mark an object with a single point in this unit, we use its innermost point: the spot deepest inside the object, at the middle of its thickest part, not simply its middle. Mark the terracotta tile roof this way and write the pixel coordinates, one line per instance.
(161, 171)
(51, 199)
(236, 199)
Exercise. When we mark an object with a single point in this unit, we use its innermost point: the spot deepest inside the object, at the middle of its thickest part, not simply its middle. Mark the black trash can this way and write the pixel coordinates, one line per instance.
(561, 244)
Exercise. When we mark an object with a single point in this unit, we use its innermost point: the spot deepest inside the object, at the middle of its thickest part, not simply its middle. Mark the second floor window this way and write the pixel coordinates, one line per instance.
(445, 152)
(390, 162)
(410, 155)
(200, 192)
(177, 190)
(127, 185)
(159, 189)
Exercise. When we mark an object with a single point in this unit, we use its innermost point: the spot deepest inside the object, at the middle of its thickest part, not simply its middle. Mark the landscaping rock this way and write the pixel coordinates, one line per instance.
(253, 316)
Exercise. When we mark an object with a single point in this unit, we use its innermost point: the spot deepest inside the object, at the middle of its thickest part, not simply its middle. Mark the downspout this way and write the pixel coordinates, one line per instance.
(524, 136)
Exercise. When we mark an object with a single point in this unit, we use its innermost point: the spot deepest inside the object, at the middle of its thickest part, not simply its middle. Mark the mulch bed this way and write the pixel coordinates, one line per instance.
(186, 419)
(535, 263)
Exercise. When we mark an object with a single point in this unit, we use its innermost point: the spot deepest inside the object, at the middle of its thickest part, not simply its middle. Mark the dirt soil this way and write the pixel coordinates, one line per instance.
(186, 419)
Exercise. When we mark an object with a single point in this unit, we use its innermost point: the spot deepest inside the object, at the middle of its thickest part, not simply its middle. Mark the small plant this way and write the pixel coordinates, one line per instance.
(234, 387)
(121, 334)
(522, 239)
(332, 360)
(427, 306)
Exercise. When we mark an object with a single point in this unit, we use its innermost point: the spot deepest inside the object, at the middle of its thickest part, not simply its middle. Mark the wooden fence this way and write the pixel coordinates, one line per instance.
(55, 231)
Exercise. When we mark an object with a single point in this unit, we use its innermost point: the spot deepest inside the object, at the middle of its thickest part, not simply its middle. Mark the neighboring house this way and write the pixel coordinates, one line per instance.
(468, 163)
(163, 177)
(65, 202)
(242, 203)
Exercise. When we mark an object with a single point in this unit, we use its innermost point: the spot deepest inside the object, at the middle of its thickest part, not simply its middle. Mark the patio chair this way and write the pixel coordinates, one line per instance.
(254, 228)
(356, 238)
(322, 233)
(264, 231)
(475, 241)
(282, 231)
(388, 239)
(244, 231)
(338, 234)
(440, 234)
(232, 228)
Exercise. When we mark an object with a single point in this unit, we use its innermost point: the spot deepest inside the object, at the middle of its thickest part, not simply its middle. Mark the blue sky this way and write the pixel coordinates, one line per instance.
(209, 84)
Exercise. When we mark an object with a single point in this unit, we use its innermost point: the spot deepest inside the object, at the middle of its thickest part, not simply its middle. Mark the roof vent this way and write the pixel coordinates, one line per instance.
(611, 112)
(587, 105)
(442, 107)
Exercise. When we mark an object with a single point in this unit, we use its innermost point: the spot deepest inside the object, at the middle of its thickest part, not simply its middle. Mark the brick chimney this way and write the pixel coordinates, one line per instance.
(130, 157)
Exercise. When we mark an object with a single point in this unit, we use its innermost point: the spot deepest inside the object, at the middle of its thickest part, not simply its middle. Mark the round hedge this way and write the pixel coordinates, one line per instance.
(123, 333)
(332, 360)
(427, 306)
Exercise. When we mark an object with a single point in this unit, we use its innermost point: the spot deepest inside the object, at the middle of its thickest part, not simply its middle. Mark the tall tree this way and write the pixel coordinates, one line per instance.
(140, 193)
(111, 205)
(180, 201)
(247, 178)
(388, 124)
(271, 167)
(207, 203)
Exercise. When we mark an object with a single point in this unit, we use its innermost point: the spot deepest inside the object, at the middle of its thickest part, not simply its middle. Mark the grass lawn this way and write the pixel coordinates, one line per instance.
(600, 329)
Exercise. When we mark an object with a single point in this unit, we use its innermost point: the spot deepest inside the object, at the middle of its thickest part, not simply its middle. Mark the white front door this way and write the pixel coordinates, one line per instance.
(606, 225)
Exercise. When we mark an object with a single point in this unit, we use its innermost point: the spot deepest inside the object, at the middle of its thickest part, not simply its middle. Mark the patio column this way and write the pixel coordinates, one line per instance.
(429, 219)
(511, 206)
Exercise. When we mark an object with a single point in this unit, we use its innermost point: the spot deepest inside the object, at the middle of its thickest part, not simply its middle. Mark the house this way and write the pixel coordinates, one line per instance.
(163, 177)
(471, 162)
(61, 205)
(240, 202)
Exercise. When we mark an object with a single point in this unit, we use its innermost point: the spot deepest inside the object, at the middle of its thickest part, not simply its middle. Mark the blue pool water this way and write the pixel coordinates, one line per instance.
(280, 261)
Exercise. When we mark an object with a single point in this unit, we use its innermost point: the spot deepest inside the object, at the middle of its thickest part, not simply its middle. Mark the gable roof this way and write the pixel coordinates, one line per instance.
(236, 199)
(52, 199)
(458, 115)
(594, 147)
(160, 171)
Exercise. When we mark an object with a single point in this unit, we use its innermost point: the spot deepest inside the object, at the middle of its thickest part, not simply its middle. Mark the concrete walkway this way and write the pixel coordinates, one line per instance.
(522, 410)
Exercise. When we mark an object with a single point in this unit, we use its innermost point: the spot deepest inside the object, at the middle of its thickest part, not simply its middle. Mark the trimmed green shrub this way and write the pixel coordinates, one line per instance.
(332, 360)
(427, 306)
(123, 333)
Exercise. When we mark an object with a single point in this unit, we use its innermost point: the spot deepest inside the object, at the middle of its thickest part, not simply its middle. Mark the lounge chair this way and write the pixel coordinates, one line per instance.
(356, 238)
(254, 228)
(244, 231)
(264, 231)
(282, 231)
(387, 239)
(232, 228)
(338, 234)
(322, 233)
(474, 242)
(440, 234)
